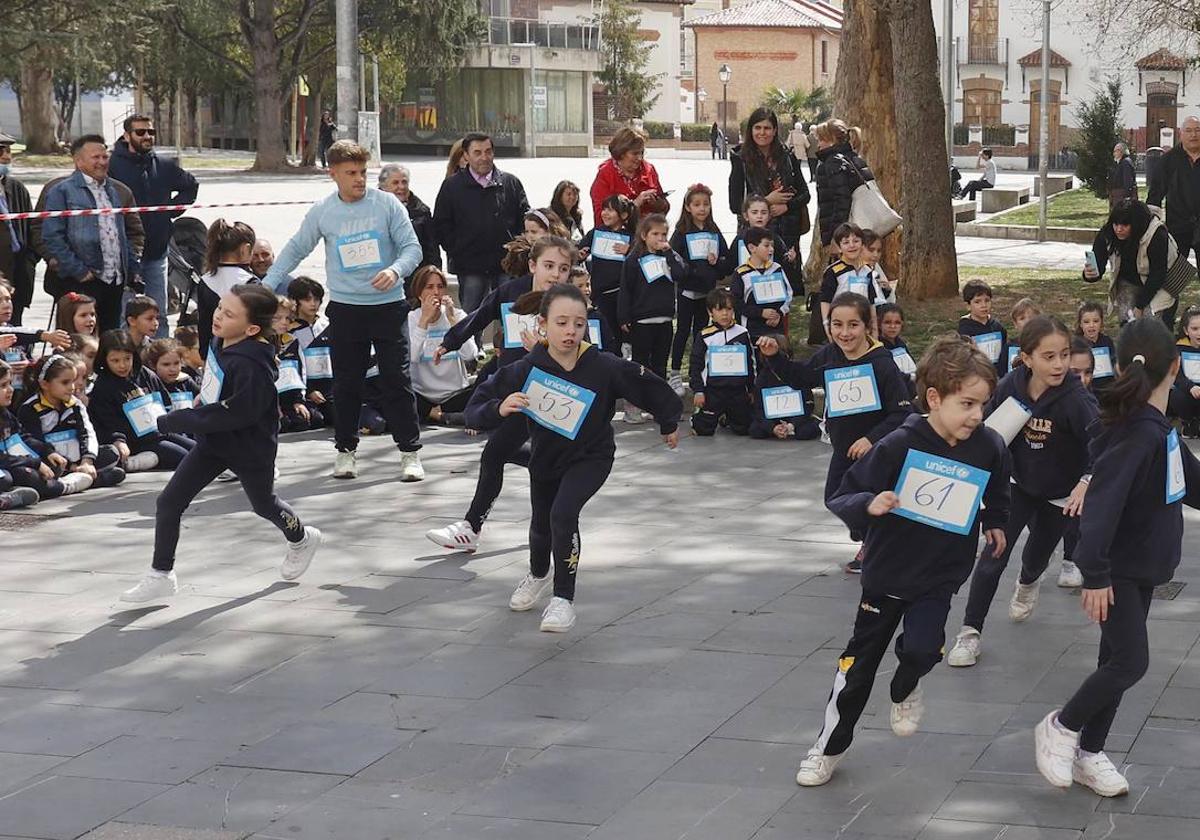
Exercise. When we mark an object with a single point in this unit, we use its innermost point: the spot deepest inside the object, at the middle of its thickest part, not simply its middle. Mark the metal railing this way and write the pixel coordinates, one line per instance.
(996, 53)
(571, 36)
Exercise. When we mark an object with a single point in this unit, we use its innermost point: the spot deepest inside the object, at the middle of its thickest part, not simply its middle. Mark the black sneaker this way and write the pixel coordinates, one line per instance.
(854, 567)
(18, 497)
(109, 478)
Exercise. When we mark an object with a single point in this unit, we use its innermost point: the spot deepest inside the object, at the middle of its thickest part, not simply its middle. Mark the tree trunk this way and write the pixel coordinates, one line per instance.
(928, 262)
(312, 124)
(271, 152)
(38, 119)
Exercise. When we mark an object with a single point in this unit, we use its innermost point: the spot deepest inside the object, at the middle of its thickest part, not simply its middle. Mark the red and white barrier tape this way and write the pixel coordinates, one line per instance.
(120, 211)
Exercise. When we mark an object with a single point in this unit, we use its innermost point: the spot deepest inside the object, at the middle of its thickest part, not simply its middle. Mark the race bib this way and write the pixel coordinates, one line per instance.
(290, 378)
(940, 492)
(318, 363)
(143, 413)
(13, 356)
(851, 390)
(1009, 419)
(181, 399)
(1103, 363)
(214, 378)
(432, 341)
(16, 447)
(1013, 352)
(769, 289)
(989, 344)
(1176, 484)
(859, 284)
(360, 251)
(514, 325)
(654, 267)
(595, 335)
(603, 242)
(728, 360)
(701, 244)
(743, 253)
(1191, 366)
(904, 361)
(557, 404)
(66, 444)
(782, 402)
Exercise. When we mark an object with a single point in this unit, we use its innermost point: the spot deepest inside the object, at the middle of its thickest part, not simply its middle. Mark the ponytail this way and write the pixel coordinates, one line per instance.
(1145, 353)
(223, 238)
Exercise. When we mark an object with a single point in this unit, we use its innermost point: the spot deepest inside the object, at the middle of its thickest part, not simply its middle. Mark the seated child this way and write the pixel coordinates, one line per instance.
(721, 370)
(76, 313)
(163, 356)
(781, 411)
(189, 350)
(1184, 400)
(24, 479)
(141, 319)
(15, 342)
(1022, 311)
(891, 325)
(309, 329)
(297, 414)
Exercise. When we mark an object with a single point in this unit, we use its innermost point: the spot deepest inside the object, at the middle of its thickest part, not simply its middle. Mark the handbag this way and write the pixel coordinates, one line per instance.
(1178, 276)
(868, 208)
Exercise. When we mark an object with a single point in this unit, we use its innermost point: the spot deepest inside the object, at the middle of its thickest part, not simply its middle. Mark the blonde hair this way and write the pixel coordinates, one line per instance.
(833, 131)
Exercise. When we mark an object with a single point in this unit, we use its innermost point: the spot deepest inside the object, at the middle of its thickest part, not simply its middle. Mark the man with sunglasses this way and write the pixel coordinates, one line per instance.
(153, 180)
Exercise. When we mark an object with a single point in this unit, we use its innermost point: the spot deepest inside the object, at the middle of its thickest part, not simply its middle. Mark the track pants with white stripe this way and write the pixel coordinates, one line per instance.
(919, 647)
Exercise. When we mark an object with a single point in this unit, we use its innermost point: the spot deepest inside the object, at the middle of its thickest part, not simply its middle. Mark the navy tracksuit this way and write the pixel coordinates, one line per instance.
(724, 396)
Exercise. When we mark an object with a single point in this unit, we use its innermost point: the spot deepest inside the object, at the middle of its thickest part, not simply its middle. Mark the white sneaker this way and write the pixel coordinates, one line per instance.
(300, 554)
(675, 380)
(457, 536)
(1069, 575)
(965, 652)
(154, 586)
(559, 616)
(633, 414)
(1024, 599)
(816, 769)
(410, 467)
(906, 715)
(346, 465)
(1055, 750)
(141, 462)
(75, 483)
(230, 475)
(1096, 771)
(528, 591)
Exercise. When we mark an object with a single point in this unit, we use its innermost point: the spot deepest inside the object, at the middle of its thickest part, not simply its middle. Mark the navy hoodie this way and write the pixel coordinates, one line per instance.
(13, 440)
(699, 379)
(904, 558)
(702, 276)
(489, 310)
(1129, 530)
(610, 377)
(971, 328)
(1051, 452)
(768, 377)
(606, 274)
(640, 299)
(242, 427)
(108, 396)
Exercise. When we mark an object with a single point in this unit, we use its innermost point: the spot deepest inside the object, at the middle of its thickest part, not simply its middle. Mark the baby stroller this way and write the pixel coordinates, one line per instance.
(185, 261)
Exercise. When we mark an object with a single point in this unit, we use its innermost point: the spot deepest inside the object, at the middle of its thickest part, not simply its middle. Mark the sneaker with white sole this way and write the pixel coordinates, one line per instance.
(230, 475)
(675, 380)
(1096, 771)
(1024, 599)
(528, 591)
(1069, 576)
(559, 616)
(154, 586)
(19, 497)
(633, 414)
(906, 715)
(346, 465)
(300, 554)
(457, 536)
(75, 483)
(816, 769)
(966, 650)
(410, 467)
(141, 462)
(1055, 750)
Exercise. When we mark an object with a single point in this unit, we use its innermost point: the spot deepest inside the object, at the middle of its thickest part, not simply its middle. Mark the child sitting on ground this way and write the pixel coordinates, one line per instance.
(781, 411)
(721, 370)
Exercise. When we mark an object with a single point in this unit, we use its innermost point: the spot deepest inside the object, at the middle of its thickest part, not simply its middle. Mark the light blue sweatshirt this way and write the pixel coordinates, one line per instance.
(361, 239)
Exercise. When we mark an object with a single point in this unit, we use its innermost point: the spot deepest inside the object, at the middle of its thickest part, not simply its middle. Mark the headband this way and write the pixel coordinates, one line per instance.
(1138, 358)
(540, 216)
(49, 363)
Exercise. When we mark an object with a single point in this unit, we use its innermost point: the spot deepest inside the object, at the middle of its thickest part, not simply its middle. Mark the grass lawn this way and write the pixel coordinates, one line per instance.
(189, 162)
(1074, 208)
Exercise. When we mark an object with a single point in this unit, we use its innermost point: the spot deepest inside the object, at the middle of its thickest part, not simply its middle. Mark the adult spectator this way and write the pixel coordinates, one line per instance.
(395, 179)
(457, 159)
(1122, 180)
(478, 211)
(92, 255)
(840, 171)
(714, 140)
(262, 257)
(813, 145)
(798, 142)
(987, 180)
(17, 257)
(1140, 251)
(763, 166)
(1176, 182)
(628, 173)
(326, 136)
(153, 180)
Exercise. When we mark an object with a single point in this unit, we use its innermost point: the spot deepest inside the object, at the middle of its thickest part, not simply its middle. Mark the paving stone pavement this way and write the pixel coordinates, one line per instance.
(390, 693)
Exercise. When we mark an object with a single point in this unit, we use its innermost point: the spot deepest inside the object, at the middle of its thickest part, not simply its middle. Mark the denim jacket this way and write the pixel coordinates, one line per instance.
(75, 241)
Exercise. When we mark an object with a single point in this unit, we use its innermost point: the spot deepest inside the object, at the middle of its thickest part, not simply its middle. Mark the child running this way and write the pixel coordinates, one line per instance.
(699, 241)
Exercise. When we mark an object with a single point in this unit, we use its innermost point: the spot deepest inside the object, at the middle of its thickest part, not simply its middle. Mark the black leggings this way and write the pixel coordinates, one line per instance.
(505, 445)
(197, 471)
(169, 448)
(651, 345)
(452, 404)
(27, 477)
(554, 527)
(691, 316)
(607, 304)
(1124, 659)
(1046, 526)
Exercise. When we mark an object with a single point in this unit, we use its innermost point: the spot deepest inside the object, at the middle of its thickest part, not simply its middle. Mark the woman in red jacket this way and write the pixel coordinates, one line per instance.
(627, 173)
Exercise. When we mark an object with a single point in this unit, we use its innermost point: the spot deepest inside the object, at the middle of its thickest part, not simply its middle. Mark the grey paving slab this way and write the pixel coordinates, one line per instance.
(330, 818)
(62, 808)
(463, 671)
(16, 768)
(957, 830)
(695, 811)
(51, 729)
(140, 758)
(335, 748)
(1136, 826)
(460, 827)
(1042, 806)
(129, 831)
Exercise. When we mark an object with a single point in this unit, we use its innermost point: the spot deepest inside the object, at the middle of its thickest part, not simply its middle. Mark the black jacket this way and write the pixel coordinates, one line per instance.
(744, 181)
(1157, 252)
(422, 221)
(1128, 528)
(474, 224)
(639, 299)
(490, 309)
(610, 377)
(713, 336)
(242, 427)
(1122, 181)
(13, 440)
(153, 180)
(972, 329)
(702, 276)
(839, 173)
(607, 340)
(905, 558)
(1172, 183)
(18, 267)
(745, 304)
(606, 274)
(39, 419)
(108, 397)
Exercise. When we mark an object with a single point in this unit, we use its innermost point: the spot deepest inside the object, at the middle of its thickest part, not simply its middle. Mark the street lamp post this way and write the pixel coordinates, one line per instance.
(725, 73)
(701, 96)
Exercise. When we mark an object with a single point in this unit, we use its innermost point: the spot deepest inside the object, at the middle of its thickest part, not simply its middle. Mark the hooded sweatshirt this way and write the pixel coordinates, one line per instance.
(111, 394)
(496, 306)
(18, 450)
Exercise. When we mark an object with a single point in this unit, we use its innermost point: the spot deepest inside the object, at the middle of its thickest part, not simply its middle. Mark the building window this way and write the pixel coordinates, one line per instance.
(981, 101)
(824, 56)
(565, 110)
(983, 31)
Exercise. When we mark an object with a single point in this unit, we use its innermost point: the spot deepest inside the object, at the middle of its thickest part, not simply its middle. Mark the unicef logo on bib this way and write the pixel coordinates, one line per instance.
(989, 344)
(940, 492)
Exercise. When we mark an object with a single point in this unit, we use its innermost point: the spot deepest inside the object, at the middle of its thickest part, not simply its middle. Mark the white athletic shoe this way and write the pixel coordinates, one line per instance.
(154, 586)
(559, 616)
(410, 467)
(816, 769)
(1096, 771)
(528, 591)
(346, 465)
(633, 414)
(230, 475)
(1069, 575)
(675, 380)
(1024, 599)
(141, 462)
(906, 715)
(75, 483)
(300, 555)
(965, 652)
(1055, 750)
(457, 536)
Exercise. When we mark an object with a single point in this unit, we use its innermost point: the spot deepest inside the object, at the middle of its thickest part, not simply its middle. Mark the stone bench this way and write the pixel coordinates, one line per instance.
(964, 210)
(1055, 184)
(997, 199)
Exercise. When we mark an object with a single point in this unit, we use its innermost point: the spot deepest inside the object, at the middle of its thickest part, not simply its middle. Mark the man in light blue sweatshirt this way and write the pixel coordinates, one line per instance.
(369, 246)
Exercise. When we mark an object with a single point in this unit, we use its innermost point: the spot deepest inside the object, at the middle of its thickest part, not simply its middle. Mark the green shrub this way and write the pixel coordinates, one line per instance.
(697, 132)
(658, 130)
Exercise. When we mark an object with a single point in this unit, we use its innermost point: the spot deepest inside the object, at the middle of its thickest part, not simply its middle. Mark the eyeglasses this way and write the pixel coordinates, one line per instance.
(142, 132)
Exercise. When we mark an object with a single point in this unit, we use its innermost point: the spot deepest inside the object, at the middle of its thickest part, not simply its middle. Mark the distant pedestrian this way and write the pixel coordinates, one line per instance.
(985, 181)
(714, 139)
(328, 134)
(1122, 180)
